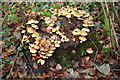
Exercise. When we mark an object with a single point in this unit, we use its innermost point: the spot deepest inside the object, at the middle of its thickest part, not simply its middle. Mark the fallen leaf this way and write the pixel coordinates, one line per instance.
(88, 71)
(58, 67)
(35, 66)
(104, 69)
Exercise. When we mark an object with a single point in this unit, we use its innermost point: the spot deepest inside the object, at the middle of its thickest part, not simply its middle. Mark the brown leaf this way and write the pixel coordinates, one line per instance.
(35, 65)
(58, 67)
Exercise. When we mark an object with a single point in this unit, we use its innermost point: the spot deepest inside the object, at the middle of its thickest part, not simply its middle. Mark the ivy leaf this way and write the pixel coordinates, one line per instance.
(7, 45)
(11, 62)
(7, 60)
(19, 49)
(8, 38)
(21, 54)
(2, 65)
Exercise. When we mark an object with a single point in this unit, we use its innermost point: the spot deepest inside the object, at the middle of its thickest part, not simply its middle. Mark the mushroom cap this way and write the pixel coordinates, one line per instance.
(50, 51)
(83, 33)
(36, 47)
(57, 45)
(82, 38)
(33, 54)
(89, 50)
(51, 24)
(30, 30)
(76, 29)
(25, 36)
(57, 28)
(85, 29)
(86, 15)
(48, 21)
(68, 15)
(23, 31)
(64, 12)
(32, 45)
(85, 25)
(38, 38)
(43, 53)
(46, 18)
(77, 14)
(34, 26)
(36, 42)
(33, 50)
(52, 47)
(41, 61)
(42, 48)
(82, 11)
(53, 29)
(74, 33)
(35, 34)
(74, 39)
(49, 27)
(32, 21)
(78, 33)
(48, 54)
(67, 39)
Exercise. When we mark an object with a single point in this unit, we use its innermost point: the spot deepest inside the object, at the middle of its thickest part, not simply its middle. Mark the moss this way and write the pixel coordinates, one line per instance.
(64, 56)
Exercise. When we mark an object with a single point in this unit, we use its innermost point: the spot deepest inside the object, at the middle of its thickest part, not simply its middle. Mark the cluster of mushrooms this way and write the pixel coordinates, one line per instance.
(42, 47)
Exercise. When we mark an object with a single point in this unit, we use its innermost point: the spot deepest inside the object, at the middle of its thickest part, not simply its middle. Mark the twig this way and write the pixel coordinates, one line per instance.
(116, 39)
(21, 11)
(95, 47)
(93, 43)
(6, 15)
(28, 65)
(13, 65)
(108, 27)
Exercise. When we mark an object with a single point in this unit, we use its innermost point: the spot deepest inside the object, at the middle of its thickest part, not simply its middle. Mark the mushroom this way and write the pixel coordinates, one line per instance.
(34, 26)
(68, 15)
(50, 51)
(82, 11)
(85, 29)
(32, 21)
(53, 29)
(25, 37)
(82, 38)
(64, 12)
(73, 39)
(23, 31)
(44, 57)
(33, 54)
(36, 42)
(83, 33)
(49, 27)
(48, 54)
(48, 21)
(57, 45)
(57, 28)
(36, 47)
(30, 30)
(74, 33)
(52, 47)
(33, 50)
(86, 15)
(47, 18)
(89, 50)
(35, 34)
(41, 61)
(42, 48)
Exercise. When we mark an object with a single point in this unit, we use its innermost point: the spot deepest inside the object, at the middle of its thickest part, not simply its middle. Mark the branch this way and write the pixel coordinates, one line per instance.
(114, 33)
(111, 40)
